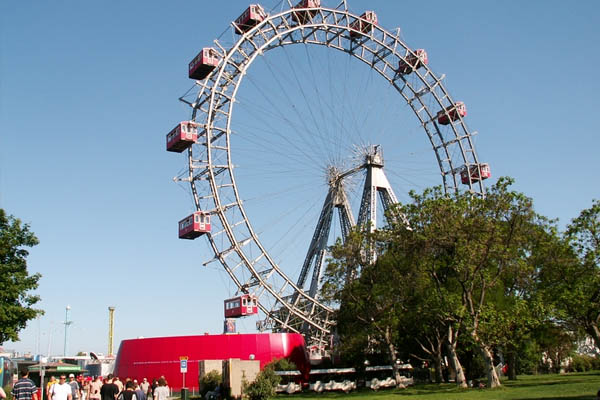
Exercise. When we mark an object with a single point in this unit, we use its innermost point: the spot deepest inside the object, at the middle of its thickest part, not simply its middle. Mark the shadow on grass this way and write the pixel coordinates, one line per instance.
(583, 397)
(546, 383)
(575, 386)
(547, 380)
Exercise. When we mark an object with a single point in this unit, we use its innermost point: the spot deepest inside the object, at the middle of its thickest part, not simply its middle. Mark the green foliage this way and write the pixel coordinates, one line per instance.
(580, 363)
(583, 363)
(283, 364)
(15, 282)
(470, 274)
(209, 382)
(370, 307)
(578, 292)
(264, 385)
(8, 390)
(474, 365)
(466, 264)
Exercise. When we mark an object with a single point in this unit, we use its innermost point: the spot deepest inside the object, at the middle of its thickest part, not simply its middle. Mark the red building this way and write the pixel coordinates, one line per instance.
(152, 357)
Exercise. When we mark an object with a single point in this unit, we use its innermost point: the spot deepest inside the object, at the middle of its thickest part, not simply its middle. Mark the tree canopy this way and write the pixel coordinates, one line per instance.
(16, 301)
(465, 266)
(573, 286)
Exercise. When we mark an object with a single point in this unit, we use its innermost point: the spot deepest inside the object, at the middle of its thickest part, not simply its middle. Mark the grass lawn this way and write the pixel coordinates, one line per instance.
(576, 386)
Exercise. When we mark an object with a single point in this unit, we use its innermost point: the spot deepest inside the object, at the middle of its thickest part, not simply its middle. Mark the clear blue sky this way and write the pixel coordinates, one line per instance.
(88, 91)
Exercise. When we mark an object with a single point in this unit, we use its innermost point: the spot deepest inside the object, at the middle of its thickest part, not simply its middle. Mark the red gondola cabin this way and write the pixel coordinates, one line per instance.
(253, 16)
(413, 61)
(241, 306)
(182, 136)
(203, 64)
(194, 225)
(364, 24)
(452, 113)
(302, 17)
(475, 173)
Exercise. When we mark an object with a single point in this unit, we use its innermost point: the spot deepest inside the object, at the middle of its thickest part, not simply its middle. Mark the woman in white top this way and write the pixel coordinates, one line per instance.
(162, 391)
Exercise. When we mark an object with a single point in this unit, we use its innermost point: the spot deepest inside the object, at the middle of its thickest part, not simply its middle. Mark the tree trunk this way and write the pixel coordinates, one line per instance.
(455, 364)
(439, 376)
(512, 365)
(556, 362)
(451, 343)
(392, 353)
(594, 332)
(492, 377)
(434, 349)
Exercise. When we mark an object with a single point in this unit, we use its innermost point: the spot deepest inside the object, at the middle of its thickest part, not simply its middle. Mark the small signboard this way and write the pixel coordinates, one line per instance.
(183, 364)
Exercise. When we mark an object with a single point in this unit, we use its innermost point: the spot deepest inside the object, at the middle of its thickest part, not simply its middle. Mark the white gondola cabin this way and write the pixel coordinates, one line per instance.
(478, 172)
(452, 113)
(194, 225)
(413, 61)
(203, 64)
(182, 136)
(364, 24)
(253, 16)
(305, 16)
(241, 306)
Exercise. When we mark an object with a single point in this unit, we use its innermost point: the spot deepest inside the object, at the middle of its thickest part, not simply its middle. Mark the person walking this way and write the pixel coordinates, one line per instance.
(119, 384)
(51, 382)
(139, 392)
(61, 390)
(128, 393)
(162, 391)
(24, 389)
(94, 389)
(145, 386)
(109, 390)
(154, 386)
(75, 388)
(85, 384)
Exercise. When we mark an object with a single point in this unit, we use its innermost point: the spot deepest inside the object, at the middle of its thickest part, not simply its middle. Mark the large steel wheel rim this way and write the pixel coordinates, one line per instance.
(233, 240)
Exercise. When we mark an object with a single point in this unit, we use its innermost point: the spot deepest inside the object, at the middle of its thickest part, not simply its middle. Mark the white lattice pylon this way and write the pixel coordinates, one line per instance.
(336, 199)
(375, 183)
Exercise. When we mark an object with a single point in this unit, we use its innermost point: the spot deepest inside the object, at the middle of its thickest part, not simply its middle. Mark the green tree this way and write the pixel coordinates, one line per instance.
(479, 246)
(471, 252)
(16, 303)
(524, 310)
(370, 307)
(580, 288)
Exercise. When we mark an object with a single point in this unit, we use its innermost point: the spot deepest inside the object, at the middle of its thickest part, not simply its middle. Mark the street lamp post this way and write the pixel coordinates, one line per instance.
(67, 323)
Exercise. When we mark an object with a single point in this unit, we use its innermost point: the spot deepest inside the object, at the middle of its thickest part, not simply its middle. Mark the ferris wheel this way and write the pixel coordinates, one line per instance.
(276, 164)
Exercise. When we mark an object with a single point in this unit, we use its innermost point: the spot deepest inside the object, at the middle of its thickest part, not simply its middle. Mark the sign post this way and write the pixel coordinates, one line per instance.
(183, 368)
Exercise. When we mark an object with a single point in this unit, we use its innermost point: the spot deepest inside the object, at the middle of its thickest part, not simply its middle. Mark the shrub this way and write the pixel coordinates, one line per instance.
(595, 363)
(8, 391)
(283, 364)
(264, 385)
(581, 363)
(210, 382)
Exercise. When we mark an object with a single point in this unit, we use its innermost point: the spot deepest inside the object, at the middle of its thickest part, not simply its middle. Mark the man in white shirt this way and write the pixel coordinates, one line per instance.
(61, 390)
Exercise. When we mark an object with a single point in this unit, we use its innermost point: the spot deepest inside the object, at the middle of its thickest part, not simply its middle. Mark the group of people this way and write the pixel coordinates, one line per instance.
(110, 388)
